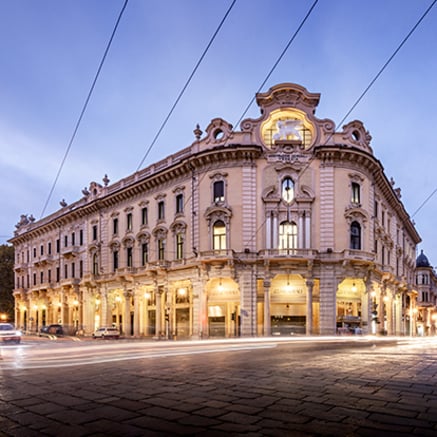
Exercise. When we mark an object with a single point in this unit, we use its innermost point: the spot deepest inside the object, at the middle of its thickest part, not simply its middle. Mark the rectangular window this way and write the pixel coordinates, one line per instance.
(129, 221)
(65, 241)
(58, 274)
(81, 237)
(129, 256)
(219, 191)
(115, 226)
(65, 271)
(49, 248)
(58, 245)
(356, 193)
(144, 254)
(34, 252)
(34, 279)
(179, 203)
(144, 216)
(49, 273)
(161, 249)
(73, 238)
(115, 260)
(179, 246)
(80, 268)
(73, 270)
(41, 277)
(42, 249)
(161, 211)
(94, 232)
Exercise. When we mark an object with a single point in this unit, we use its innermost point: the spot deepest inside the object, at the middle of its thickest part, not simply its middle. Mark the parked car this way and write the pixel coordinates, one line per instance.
(8, 333)
(106, 332)
(51, 330)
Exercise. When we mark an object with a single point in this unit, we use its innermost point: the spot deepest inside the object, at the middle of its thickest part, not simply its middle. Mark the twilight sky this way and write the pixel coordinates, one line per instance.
(51, 49)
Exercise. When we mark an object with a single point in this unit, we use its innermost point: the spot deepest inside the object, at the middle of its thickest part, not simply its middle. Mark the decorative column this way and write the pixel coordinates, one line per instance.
(267, 319)
(127, 327)
(309, 318)
(137, 312)
(158, 312)
(328, 300)
(307, 231)
(268, 232)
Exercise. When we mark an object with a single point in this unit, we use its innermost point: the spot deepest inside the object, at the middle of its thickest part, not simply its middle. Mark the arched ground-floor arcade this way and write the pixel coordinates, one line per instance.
(223, 304)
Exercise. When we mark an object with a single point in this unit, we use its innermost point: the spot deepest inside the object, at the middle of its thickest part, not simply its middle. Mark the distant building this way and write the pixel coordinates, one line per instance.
(280, 227)
(425, 312)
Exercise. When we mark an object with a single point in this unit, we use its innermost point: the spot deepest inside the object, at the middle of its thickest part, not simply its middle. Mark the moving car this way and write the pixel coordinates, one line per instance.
(51, 330)
(8, 333)
(106, 332)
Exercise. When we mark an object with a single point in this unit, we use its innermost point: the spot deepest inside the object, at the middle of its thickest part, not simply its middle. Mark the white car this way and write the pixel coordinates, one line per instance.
(8, 333)
(106, 332)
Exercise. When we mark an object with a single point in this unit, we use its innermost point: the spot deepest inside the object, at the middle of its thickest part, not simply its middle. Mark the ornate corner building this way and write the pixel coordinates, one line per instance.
(282, 227)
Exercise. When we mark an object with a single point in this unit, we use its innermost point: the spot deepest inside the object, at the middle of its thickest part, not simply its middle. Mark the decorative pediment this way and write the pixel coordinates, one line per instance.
(218, 131)
(128, 242)
(178, 227)
(218, 212)
(355, 133)
(356, 214)
(160, 232)
(143, 237)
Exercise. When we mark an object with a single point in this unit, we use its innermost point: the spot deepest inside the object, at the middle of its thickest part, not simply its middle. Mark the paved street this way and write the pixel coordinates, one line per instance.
(347, 387)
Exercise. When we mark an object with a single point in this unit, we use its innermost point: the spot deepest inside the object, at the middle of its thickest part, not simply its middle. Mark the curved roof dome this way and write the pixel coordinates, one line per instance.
(422, 260)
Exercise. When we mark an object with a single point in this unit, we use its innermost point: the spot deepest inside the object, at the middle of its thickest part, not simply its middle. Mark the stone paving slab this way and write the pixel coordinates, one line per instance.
(348, 391)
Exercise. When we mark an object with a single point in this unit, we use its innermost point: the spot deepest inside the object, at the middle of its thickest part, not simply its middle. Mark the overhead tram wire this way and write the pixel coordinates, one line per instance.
(76, 128)
(424, 203)
(388, 62)
(186, 85)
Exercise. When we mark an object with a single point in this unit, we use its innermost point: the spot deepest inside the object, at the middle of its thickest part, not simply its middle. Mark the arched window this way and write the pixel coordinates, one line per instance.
(219, 236)
(288, 235)
(355, 232)
(288, 190)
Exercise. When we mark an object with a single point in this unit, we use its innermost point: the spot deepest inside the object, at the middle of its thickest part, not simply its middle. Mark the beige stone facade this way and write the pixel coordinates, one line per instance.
(282, 226)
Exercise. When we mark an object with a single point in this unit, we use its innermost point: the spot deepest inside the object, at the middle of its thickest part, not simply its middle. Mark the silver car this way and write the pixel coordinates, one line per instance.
(8, 333)
(106, 332)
